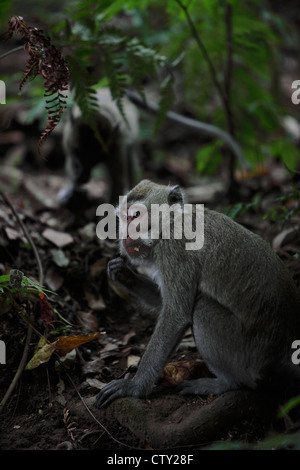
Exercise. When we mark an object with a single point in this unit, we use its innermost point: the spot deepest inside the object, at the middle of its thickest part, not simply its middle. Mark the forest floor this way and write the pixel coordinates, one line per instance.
(51, 406)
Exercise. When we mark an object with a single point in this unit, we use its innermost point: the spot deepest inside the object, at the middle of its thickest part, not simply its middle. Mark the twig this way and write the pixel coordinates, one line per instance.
(223, 93)
(28, 236)
(229, 60)
(96, 420)
(12, 51)
(30, 328)
(19, 370)
(205, 54)
(228, 82)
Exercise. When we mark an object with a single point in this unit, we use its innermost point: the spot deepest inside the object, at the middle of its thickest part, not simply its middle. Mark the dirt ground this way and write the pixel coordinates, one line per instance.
(53, 408)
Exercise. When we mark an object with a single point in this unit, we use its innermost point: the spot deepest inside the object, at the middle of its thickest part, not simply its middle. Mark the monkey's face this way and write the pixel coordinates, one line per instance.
(134, 231)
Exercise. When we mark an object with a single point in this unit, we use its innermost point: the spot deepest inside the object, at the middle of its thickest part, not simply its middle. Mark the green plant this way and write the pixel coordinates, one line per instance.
(241, 208)
(290, 405)
(17, 289)
(283, 212)
(229, 63)
(230, 69)
(44, 59)
(99, 52)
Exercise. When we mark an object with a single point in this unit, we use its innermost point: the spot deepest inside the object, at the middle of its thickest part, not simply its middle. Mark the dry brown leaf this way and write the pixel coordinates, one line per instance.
(176, 372)
(95, 303)
(88, 321)
(67, 343)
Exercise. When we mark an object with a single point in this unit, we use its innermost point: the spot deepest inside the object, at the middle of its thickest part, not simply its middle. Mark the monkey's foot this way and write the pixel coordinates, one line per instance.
(204, 387)
(116, 389)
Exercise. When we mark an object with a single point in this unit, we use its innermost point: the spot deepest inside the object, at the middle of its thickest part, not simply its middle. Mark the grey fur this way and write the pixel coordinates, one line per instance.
(119, 149)
(236, 294)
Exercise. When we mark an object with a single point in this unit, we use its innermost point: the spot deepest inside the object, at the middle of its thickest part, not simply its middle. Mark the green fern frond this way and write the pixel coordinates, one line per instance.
(85, 96)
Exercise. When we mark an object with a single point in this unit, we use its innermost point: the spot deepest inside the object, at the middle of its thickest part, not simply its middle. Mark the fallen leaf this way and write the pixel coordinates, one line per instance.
(176, 372)
(95, 303)
(59, 258)
(66, 361)
(92, 367)
(128, 337)
(53, 279)
(12, 234)
(133, 360)
(95, 383)
(60, 239)
(88, 232)
(89, 321)
(64, 344)
(42, 355)
(108, 350)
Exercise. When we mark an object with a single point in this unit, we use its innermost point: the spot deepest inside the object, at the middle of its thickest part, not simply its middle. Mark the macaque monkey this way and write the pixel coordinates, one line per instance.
(235, 292)
(83, 151)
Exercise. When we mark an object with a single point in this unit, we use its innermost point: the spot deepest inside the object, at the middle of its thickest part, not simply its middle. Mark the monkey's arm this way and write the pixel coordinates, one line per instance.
(141, 287)
(165, 338)
(174, 319)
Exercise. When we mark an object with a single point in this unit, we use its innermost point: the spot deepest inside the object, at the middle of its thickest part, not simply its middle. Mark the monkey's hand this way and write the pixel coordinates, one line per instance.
(116, 389)
(117, 270)
(113, 267)
(137, 285)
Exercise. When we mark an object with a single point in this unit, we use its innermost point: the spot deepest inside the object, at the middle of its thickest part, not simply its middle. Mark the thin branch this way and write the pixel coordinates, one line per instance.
(12, 51)
(28, 236)
(229, 63)
(20, 367)
(228, 82)
(95, 418)
(223, 93)
(204, 52)
(30, 328)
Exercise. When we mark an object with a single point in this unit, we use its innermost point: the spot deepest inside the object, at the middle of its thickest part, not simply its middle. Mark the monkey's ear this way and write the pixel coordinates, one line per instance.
(144, 182)
(175, 196)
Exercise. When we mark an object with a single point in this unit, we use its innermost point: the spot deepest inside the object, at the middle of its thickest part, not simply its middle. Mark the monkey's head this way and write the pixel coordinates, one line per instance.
(136, 223)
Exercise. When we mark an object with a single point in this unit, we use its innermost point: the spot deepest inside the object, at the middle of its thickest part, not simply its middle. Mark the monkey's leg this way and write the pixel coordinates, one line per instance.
(78, 174)
(116, 161)
(221, 343)
(205, 386)
(141, 287)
